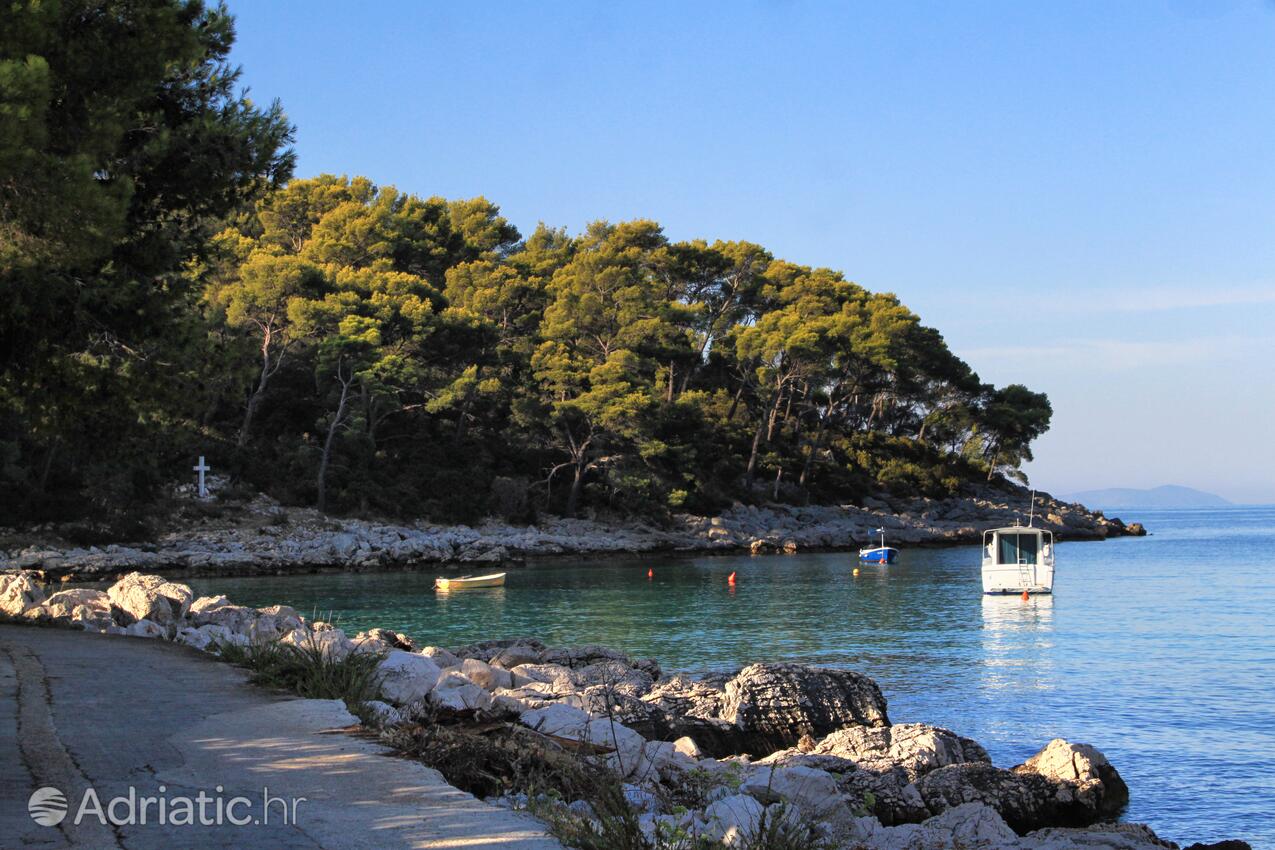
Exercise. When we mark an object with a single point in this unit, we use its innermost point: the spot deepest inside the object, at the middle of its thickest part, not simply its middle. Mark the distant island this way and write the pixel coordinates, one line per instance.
(1167, 496)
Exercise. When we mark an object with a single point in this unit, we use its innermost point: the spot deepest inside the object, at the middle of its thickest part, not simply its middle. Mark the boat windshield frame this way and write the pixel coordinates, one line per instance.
(993, 550)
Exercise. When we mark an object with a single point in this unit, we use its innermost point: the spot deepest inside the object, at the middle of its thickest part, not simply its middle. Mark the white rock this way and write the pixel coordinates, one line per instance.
(383, 714)
(628, 759)
(556, 719)
(813, 792)
(687, 747)
(442, 657)
(456, 692)
(150, 597)
(209, 637)
(331, 642)
(208, 603)
(732, 820)
(973, 825)
(407, 677)
(19, 592)
(485, 676)
(145, 629)
(89, 609)
(272, 623)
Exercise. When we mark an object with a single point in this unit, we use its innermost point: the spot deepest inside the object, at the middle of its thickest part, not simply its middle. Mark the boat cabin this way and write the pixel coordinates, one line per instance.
(1018, 559)
(1018, 545)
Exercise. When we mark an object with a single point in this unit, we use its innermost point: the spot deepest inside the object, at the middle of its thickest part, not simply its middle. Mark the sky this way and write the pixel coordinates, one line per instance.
(1080, 195)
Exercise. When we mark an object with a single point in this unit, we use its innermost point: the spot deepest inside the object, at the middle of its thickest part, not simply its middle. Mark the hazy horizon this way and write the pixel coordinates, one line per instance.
(1078, 197)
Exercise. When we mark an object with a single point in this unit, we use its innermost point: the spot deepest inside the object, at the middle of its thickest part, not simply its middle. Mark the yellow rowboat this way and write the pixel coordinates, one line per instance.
(464, 582)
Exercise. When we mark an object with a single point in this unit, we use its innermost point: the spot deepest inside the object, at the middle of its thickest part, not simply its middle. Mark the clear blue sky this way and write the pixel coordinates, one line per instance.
(1079, 194)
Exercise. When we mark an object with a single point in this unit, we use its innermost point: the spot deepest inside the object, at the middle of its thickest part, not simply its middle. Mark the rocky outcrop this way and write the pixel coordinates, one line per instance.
(264, 537)
(773, 705)
(1086, 774)
(765, 707)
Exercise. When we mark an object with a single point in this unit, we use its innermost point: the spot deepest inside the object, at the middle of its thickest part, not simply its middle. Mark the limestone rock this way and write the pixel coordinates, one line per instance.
(89, 609)
(1105, 836)
(406, 677)
(916, 747)
(814, 793)
(557, 719)
(145, 629)
(484, 675)
(20, 591)
(208, 637)
(1098, 784)
(390, 638)
(1025, 800)
(149, 597)
(382, 713)
(455, 692)
(773, 705)
(732, 820)
(439, 656)
(272, 623)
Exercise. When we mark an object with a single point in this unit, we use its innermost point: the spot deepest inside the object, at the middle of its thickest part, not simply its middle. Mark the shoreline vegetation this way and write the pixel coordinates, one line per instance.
(613, 752)
(231, 533)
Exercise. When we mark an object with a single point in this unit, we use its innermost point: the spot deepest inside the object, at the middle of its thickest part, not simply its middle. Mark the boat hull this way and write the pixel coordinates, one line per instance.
(879, 555)
(468, 582)
(1014, 578)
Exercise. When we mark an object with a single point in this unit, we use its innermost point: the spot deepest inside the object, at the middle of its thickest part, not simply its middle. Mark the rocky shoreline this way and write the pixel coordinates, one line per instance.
(226, 536)
(771, 740)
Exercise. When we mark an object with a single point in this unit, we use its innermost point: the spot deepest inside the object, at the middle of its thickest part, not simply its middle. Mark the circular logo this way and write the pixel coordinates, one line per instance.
(47, 806)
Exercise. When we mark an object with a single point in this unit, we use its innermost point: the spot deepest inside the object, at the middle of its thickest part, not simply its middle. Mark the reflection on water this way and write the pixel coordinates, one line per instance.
(1157, 650)
(1017, 642)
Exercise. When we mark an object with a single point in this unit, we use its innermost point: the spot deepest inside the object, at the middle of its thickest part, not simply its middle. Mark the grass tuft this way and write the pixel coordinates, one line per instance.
(308, 671)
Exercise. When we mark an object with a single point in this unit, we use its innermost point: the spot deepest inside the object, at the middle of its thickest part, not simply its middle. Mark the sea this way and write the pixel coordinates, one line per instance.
(1159, 651)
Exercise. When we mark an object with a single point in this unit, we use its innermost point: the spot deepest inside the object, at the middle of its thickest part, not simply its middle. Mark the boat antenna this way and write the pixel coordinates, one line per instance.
(1031, 512)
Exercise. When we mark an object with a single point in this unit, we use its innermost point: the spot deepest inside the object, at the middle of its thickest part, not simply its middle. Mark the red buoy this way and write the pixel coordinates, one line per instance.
(1026, 597)
(650, 573)
(731, 579)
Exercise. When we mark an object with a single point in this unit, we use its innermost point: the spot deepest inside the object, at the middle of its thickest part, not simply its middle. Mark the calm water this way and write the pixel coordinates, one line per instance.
(1160, 651)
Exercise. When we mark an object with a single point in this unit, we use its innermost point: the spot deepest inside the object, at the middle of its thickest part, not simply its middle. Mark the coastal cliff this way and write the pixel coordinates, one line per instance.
(229, 535)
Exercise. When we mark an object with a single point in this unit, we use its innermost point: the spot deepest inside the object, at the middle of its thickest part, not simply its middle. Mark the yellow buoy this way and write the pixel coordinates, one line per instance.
(856, 570)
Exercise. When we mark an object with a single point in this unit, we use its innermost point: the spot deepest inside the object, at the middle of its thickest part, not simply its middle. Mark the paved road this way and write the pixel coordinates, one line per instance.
(119, 714)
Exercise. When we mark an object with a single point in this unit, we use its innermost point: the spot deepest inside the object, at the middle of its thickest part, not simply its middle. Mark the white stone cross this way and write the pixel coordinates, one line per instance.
(201, 468)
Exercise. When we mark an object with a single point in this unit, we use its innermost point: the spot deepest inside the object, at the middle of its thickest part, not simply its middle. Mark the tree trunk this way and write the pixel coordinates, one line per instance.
(779, 474)
(327, 444)
(577, 485)
(810, 454)
(752, 457)
(255, 399)
(774, 411)
(734, 404)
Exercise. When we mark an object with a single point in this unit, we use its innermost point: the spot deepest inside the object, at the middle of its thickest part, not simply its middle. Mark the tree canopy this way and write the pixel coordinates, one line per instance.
(364, 349)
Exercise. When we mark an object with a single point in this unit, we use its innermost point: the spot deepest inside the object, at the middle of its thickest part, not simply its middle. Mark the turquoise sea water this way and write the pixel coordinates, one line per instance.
(1160, 651)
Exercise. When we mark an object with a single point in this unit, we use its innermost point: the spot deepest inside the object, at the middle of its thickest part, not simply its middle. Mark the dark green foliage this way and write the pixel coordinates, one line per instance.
(123, 142)
(368, 351)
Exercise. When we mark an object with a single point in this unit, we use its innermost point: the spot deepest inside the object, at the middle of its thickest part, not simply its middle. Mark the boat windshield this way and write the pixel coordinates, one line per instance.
(1018, 548)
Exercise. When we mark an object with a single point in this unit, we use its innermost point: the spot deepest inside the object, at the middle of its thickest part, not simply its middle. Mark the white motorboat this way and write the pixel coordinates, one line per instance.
(1018, 559)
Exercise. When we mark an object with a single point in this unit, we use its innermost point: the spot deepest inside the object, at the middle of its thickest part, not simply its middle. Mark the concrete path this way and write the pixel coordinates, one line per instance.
(121, 715)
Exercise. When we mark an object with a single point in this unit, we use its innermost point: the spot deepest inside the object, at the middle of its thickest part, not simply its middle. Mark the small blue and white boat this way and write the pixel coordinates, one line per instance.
(879, 554)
